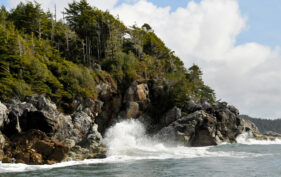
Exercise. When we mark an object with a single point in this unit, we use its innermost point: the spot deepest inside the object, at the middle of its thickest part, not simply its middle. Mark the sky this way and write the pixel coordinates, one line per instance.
(237, 43)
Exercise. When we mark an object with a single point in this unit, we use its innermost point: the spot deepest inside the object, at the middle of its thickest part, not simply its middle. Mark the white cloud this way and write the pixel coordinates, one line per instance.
(204, 33)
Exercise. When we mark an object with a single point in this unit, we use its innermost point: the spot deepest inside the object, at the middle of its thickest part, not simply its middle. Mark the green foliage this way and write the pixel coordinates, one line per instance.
(39, 55)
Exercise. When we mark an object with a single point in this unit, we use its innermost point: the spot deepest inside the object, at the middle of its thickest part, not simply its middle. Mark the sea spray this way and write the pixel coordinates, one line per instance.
(127, 141)
(248, 138)
(128, 138)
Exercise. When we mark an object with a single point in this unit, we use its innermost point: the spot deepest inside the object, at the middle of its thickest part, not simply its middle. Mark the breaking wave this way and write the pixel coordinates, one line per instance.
(127, 141)
(248, 138)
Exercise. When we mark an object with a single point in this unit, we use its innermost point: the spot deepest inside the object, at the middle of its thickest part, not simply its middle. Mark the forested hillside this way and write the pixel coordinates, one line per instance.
(265, 125)
(65, 59)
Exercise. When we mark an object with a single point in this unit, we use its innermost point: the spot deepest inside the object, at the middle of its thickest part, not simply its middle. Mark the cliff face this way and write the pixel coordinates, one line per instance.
(35, 132)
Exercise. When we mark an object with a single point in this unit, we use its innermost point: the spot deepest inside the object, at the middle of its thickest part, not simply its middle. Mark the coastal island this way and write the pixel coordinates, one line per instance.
(64, 82)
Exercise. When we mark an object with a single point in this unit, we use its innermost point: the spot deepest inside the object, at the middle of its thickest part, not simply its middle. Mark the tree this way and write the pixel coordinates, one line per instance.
(3, 15)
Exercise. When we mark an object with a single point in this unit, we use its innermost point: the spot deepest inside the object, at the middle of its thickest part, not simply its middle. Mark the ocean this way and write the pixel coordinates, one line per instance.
(131, 154)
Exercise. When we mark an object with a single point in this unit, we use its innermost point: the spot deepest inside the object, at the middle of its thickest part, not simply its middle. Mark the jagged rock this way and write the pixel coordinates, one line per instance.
(34, 147)
(191, 107)
(93, 138)
(147, 121)
(3, 114)
(42, 103)
(172, 115)
(82, 121)
(59, 153)
(196, 129)
(17, 109)
(138, 93)
(36, 129)
(205, 105)
(91, 107)
(211, 125)
(246, 126)
(66, 130)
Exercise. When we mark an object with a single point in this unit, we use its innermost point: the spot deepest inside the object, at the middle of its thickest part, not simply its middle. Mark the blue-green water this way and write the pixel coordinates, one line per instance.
(132, 154)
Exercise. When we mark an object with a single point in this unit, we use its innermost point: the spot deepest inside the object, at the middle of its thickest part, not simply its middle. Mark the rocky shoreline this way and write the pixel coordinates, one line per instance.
(36, 132)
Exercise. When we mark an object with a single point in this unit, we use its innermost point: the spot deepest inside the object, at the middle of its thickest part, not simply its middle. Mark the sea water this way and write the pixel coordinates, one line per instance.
(132, 153)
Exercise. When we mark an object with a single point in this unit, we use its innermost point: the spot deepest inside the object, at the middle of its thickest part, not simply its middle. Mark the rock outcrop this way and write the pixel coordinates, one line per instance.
(37, 133)
(136, 100)
(204, 124)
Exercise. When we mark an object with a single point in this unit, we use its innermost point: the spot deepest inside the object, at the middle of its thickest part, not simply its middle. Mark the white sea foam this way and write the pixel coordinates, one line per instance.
(247, 138)
(127, 141)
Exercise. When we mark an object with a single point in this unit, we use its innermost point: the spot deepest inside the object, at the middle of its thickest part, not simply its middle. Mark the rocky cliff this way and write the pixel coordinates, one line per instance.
(36, 132)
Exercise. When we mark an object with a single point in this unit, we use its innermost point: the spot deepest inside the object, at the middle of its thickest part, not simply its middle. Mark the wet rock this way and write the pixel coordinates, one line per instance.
(233, 110)
(44, 147)
(36, 158)
(93, 152)
(39, 134)
(172, 115)
(132, 110)
(191, 106)
(2, 145)
(34, 147)
(93, 138)
(248, 126)
(210, 125)
(82, 121)
(59, 153)
(23, 157)
(110, 111)
(7, 160)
